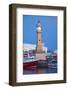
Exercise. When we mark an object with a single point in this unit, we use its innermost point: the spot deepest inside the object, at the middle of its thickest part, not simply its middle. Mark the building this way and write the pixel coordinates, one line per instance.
(40, 53)
(29, 50)
(35, 55)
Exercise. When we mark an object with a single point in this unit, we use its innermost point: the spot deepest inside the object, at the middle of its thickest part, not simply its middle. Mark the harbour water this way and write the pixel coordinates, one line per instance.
(40, 71)
(52, 68)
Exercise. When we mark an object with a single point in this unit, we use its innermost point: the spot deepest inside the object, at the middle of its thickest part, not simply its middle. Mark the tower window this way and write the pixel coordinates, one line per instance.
(39, 40)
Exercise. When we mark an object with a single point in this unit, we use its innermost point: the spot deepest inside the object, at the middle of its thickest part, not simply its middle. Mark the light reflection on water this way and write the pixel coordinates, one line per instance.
(44, 70)
(40, 71)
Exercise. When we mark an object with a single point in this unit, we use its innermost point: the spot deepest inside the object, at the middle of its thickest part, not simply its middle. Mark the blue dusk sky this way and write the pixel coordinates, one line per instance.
(49, 30)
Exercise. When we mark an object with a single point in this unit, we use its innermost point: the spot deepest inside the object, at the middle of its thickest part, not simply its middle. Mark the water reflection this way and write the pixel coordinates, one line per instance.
(39, 70)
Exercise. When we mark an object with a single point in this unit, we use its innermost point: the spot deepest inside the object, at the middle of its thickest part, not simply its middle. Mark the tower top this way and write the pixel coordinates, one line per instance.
(39, 24)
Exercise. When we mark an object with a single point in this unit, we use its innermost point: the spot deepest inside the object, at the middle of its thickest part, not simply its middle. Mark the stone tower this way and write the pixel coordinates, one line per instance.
(40, 53)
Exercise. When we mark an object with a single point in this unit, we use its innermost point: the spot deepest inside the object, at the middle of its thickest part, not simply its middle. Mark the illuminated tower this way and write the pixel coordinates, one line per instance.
(40, 53)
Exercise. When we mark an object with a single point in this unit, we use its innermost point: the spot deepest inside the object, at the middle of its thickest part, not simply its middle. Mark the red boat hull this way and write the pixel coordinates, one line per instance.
(34, 64)
(29, 64)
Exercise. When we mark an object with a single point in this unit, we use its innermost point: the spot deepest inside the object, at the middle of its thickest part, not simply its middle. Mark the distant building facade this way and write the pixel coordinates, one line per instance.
(29, 50)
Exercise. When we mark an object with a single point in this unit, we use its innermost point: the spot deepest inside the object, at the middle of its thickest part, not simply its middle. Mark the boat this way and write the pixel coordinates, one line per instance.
(29, 63)
(52, 64)
(34, 63)
(29, 56)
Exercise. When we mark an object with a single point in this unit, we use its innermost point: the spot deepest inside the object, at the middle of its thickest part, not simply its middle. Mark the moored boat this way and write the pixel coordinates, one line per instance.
(33, 63)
